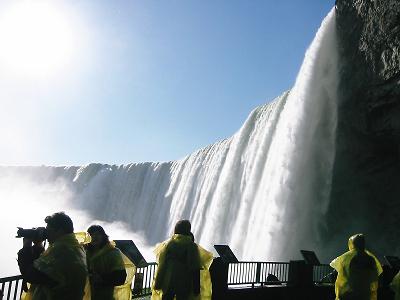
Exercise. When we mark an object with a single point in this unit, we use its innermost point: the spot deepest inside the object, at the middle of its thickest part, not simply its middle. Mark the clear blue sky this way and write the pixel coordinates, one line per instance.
(147, 80)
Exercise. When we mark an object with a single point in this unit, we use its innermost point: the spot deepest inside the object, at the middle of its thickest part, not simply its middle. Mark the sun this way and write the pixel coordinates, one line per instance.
(36, 38)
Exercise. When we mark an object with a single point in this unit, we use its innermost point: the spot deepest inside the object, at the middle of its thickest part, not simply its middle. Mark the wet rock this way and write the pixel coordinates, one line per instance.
(365, 193)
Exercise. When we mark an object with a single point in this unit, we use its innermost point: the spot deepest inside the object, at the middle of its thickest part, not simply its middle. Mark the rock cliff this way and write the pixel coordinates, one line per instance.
(365, 193)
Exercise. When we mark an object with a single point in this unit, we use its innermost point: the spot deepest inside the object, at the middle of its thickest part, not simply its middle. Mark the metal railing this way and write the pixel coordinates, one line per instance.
(268, 273)
(321, 272)
(143, 280)
(11, 287)
(241, 273)
(257, 273)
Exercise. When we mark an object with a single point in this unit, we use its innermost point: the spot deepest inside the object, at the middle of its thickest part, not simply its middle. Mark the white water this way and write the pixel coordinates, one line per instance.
(263, 191)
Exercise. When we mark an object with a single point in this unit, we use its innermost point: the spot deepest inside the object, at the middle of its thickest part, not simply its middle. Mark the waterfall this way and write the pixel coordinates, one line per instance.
(263, 191)
(287, 209)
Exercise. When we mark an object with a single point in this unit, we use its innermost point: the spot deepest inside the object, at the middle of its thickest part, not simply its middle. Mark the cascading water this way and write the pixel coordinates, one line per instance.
(263, 191)
(293, 194)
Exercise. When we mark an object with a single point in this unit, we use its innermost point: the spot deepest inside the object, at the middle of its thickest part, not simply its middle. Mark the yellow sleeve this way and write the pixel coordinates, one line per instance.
(130, 268)
(336, 263)
(158, 249)
(123, 292)
(378, 264)
(161, 273)
(206, 257)
(87, 292)
(395, 285)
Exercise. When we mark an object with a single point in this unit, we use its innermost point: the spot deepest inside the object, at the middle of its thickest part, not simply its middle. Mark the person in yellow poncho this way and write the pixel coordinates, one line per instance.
(107, 273)
(358, 272)
(60, 272)
(180, 264)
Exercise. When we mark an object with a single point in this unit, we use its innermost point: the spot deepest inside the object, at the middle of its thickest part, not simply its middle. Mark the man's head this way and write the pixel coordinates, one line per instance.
(98, 235)
(357, 242)
(58, 224)
(182, 227)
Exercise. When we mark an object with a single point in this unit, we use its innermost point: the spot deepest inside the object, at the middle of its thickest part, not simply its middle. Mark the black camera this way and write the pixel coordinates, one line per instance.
(35, 234)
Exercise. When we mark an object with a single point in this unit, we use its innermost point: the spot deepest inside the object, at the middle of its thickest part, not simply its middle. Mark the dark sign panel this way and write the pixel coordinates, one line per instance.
(129, 248)
(226, 254)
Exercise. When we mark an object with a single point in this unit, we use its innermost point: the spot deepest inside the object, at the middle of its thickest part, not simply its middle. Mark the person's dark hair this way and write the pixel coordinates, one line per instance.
(358, 241)
(97, 228)
(182, 227)
(60, 221)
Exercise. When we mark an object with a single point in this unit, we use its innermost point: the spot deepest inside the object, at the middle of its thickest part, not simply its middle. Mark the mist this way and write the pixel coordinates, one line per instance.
(26, 202)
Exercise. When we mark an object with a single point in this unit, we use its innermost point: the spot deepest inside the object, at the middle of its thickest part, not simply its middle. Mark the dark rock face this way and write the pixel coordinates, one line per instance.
(366, 180)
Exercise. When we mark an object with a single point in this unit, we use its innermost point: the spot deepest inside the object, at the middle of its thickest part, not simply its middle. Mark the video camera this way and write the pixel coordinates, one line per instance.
(35, 234)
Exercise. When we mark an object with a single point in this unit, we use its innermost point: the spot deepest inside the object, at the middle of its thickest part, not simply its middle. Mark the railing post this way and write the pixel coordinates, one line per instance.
(219, 278)
(258, 272)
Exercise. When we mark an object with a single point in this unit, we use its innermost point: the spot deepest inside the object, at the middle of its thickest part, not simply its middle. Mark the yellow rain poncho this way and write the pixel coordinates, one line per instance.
(361, 283)
(64, 261)
(395, 285)
(106, 260)
(178, 259)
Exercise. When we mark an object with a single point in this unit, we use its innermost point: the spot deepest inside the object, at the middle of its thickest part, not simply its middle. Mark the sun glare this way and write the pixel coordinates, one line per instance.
(36, 39)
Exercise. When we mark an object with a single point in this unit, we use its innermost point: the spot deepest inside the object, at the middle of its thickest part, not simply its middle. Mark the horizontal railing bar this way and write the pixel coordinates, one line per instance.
(10, 278)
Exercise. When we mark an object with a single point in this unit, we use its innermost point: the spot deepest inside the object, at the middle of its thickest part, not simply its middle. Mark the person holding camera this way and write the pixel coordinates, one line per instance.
(107, 274)
(60, 272)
